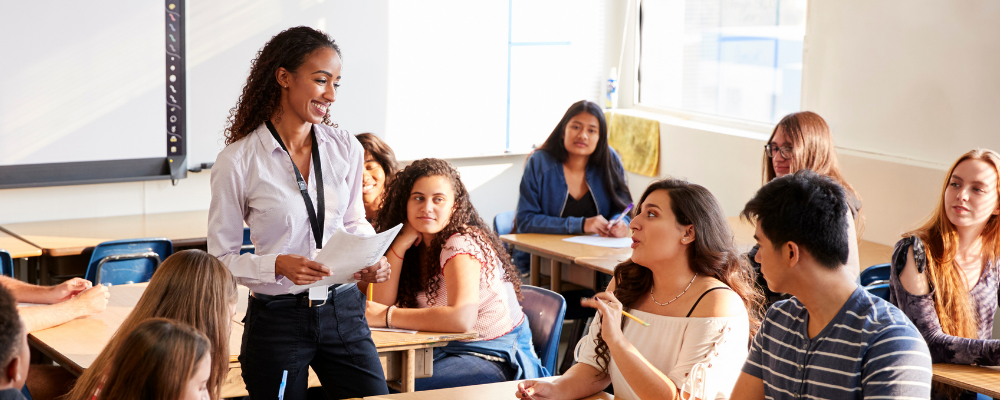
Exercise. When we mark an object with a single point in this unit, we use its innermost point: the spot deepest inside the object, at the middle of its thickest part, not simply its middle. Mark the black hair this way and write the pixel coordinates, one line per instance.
(806, 208)
(11, 327)
(262, 94)
(601, 158)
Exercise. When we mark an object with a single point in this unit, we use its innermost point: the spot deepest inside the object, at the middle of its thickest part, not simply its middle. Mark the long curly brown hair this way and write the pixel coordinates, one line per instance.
(261, 95)
(713, 254)
(421, 268)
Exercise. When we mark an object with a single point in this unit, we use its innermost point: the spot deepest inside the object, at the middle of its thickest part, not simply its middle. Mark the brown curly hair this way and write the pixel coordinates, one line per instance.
(261, 95)
(713, 254)
(420, 274)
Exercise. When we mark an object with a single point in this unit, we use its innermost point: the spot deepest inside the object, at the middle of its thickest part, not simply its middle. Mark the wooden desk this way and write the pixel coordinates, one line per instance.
(501, 390)
(72, 236)
(559, 255)
(76, 344)
(17, 247)
(985, 380)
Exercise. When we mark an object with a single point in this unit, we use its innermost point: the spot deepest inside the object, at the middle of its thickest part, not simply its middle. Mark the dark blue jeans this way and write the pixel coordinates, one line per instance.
(454, 370)
(334, 339)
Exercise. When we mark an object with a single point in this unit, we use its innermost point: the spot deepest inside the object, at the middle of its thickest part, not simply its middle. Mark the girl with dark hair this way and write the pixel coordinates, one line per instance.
(687, 281)
(380, 166)
(160, 360)
(802, 140)
(575, 182)
(944, 275)
(294, 180)
(451, 274)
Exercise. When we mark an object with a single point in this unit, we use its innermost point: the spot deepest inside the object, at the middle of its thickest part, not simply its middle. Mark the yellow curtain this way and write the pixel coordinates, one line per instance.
(637, 140)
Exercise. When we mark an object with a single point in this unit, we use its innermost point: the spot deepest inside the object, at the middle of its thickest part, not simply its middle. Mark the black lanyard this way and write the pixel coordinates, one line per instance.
(317, 223)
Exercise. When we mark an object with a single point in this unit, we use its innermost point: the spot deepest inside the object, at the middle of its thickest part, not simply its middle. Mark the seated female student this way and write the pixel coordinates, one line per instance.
(944, 274)
(160, 360)
(380, 166)
(451, 274)
(190, 287)
(574, 183)
(687, 281)
(803, 140)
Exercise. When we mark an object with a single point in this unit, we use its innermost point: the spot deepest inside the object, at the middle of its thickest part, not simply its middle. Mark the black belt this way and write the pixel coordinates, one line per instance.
(300, 300)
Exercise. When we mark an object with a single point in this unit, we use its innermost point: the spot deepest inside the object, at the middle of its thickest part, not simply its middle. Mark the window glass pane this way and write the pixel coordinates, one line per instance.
(735, 58)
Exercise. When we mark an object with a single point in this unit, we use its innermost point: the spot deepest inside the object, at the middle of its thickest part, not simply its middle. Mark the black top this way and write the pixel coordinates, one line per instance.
(11, 394)
(585, 207)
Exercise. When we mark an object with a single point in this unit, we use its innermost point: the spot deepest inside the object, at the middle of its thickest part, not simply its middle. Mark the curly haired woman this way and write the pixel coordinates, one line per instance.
(686, 280)
(294, 180)
(451, 274)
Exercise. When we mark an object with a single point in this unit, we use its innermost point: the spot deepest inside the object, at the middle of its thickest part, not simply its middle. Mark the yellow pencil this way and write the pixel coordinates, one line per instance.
(370, 286)
(644, 323)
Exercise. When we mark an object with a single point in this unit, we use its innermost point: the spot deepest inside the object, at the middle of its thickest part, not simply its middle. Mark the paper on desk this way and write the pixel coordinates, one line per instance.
(393, 330)
(345, 254)
(595, 240)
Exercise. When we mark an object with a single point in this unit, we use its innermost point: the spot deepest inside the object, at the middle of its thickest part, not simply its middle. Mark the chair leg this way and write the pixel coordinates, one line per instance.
(576, 329)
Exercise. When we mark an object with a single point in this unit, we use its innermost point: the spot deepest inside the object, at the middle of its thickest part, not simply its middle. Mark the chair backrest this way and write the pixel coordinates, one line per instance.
(545, 310)
(127, 261)
(880, 290)
(503, 223)
(874, 274)
(6, 264)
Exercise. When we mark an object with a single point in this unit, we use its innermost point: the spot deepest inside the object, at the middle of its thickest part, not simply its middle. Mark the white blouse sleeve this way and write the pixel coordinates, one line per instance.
(586, 348)
(712, 357)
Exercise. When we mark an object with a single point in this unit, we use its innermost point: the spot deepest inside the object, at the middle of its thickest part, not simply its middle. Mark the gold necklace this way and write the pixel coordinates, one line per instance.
(675, 298)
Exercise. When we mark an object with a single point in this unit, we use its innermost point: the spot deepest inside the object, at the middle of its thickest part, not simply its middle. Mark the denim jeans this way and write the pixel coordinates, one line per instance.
(453, 370)
(333, 338)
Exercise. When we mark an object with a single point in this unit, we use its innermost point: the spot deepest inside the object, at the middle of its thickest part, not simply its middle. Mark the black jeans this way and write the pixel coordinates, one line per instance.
(334, 339)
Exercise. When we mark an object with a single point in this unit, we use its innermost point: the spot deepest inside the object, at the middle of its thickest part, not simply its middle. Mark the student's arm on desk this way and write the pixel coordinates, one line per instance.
(580, 381)
(88, 302)
(461, 275)
(27, 293)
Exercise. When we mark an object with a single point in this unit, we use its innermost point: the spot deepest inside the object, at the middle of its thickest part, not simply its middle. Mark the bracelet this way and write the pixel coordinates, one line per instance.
(394, 253)
(388, 316)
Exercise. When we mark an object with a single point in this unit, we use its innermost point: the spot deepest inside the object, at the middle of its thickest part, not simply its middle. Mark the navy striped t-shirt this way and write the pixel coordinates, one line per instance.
(869, 350)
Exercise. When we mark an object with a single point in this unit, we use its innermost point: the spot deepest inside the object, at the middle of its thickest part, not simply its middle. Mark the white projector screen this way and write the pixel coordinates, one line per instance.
(84, 82)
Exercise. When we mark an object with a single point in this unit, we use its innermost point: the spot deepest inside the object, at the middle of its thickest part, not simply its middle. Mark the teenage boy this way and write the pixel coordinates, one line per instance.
(14, 355)
(833, 339)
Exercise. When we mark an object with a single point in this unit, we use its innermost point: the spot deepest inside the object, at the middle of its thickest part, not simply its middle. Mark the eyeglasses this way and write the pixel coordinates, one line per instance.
(770, 150)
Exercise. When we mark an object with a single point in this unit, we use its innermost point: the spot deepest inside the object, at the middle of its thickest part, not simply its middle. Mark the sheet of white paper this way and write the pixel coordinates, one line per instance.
(344, 254)
(393, 330)
(595, 240)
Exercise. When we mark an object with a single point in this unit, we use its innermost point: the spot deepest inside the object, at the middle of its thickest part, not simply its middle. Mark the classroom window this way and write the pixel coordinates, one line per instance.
(733, 58)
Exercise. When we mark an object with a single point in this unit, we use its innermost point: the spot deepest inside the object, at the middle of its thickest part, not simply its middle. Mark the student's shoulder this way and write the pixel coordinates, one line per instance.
(541, 160)
(718, 301)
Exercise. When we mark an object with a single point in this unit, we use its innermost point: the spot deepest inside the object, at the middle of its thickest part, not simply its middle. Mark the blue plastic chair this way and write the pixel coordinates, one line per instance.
(247, 244)
(875, 274)
(880, 290)
(545, 310)
(503, 224)
(127, 261)
(6, 264)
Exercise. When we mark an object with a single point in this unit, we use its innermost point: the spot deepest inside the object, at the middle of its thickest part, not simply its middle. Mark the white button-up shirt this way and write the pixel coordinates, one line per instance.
(253, 181)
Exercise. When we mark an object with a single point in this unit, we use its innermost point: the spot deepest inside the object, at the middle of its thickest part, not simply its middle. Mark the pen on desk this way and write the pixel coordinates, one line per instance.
(621, 216)
(281, 389)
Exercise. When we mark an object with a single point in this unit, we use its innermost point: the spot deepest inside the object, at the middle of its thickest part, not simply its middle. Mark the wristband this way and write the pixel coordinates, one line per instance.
(388, 316)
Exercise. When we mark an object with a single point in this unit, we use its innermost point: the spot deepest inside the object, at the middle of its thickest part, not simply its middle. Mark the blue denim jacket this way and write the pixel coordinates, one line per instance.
(543, 195)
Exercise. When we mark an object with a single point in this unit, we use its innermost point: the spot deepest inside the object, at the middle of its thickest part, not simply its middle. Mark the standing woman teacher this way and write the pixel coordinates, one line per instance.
(294, 180)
